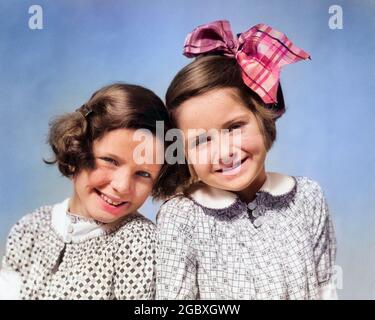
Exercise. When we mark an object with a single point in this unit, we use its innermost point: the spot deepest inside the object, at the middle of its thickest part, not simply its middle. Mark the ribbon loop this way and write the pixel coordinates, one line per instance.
(261, 52)
(215, 37)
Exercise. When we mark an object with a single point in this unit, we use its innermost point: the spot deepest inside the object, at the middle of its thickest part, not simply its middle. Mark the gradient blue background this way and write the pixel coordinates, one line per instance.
(327, 133)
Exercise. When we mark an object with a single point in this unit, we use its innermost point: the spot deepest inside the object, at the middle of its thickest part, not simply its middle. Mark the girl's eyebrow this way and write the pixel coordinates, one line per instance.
(108, 155)
(141, 166)
(194, 139)
(240, 117)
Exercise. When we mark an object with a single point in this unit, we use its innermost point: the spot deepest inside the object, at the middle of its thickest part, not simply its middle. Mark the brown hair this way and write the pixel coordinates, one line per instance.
(212, 72)
(112, 107)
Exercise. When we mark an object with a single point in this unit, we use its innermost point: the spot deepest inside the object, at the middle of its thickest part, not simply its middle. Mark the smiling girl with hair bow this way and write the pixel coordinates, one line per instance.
(236, 231)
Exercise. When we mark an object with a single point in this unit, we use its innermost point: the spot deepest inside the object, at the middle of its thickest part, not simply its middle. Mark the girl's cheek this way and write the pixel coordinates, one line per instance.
(99, 176)
(142, 190)
(251, 140)
(201, 170)
(202, 155)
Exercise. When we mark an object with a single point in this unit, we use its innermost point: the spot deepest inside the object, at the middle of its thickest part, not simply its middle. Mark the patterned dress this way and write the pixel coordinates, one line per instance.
(212, 245)
(51, 254)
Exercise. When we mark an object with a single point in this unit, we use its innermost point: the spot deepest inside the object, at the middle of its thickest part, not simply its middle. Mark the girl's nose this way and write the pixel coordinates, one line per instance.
(121, 183)
(227, 159)
(227, 152)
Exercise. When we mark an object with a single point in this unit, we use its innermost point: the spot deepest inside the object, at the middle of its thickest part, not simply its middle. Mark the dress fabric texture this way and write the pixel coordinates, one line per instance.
(212, 245)
(52, 254)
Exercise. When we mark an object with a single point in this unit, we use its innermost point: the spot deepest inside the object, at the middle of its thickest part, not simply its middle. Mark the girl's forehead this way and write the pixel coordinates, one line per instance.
(115, 137)
(124, 135)
(128, 148)
(212, 109)
(125, 141)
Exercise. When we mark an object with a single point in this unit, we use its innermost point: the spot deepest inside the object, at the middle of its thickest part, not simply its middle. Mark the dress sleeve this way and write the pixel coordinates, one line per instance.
(16, 257)
(10, 284)
(176, 259)
(134, 277)
(324, 245)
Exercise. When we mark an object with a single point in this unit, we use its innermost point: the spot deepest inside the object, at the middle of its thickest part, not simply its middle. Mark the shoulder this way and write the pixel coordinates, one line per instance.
(137, 226)
(136, 237)
(314, 203)
(309, 190)
(201, 196)
(306, 184)
(33, 222)
(179, 208)
(179, 215)
(24, 234)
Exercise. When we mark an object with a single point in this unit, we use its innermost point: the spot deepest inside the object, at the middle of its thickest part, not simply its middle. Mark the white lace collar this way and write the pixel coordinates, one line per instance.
(276, 184)
(73, 229)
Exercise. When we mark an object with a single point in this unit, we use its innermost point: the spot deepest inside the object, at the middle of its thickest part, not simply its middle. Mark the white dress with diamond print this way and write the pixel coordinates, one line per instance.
(214, 246)
(54, 255)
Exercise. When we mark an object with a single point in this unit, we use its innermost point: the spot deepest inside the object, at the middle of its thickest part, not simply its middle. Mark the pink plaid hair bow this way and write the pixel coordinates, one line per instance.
(261, 52)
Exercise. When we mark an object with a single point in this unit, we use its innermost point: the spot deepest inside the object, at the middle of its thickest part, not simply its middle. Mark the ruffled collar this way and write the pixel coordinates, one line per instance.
(73, 228)
(228, 205)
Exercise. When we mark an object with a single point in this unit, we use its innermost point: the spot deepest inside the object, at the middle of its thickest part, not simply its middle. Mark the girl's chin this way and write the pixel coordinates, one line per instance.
(235, 184)
(106, 217)
(234, 187)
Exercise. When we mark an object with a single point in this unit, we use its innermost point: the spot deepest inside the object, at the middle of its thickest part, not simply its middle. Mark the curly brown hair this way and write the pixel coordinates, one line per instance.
(115, 106)
(210, 72)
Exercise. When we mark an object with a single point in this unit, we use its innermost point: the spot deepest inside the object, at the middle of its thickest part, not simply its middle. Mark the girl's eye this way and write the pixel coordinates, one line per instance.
(144, 174)
(235, 126)
(109, 160)
(201, 140)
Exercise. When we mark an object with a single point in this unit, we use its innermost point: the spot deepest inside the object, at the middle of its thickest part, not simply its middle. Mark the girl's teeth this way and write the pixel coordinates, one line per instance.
(106, 199)
(231, 168)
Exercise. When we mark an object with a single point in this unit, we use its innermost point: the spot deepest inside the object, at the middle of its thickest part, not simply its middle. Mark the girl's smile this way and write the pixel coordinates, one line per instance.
(114, 207)
(117, 185)
(234, 168)
(237, 156)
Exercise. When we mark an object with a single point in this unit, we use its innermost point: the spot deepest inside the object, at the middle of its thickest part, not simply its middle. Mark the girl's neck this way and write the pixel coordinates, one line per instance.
(248, 194)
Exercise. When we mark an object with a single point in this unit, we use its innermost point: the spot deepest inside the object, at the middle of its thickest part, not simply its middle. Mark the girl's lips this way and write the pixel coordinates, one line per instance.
(232, 170)
(111, 208)
(110, 199)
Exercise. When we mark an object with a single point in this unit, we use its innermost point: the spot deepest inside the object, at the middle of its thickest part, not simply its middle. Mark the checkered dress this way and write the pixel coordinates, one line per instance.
(276, 247)
(115, 262)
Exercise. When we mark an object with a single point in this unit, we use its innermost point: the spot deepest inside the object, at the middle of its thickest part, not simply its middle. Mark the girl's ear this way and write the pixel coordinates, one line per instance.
(73, 177)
